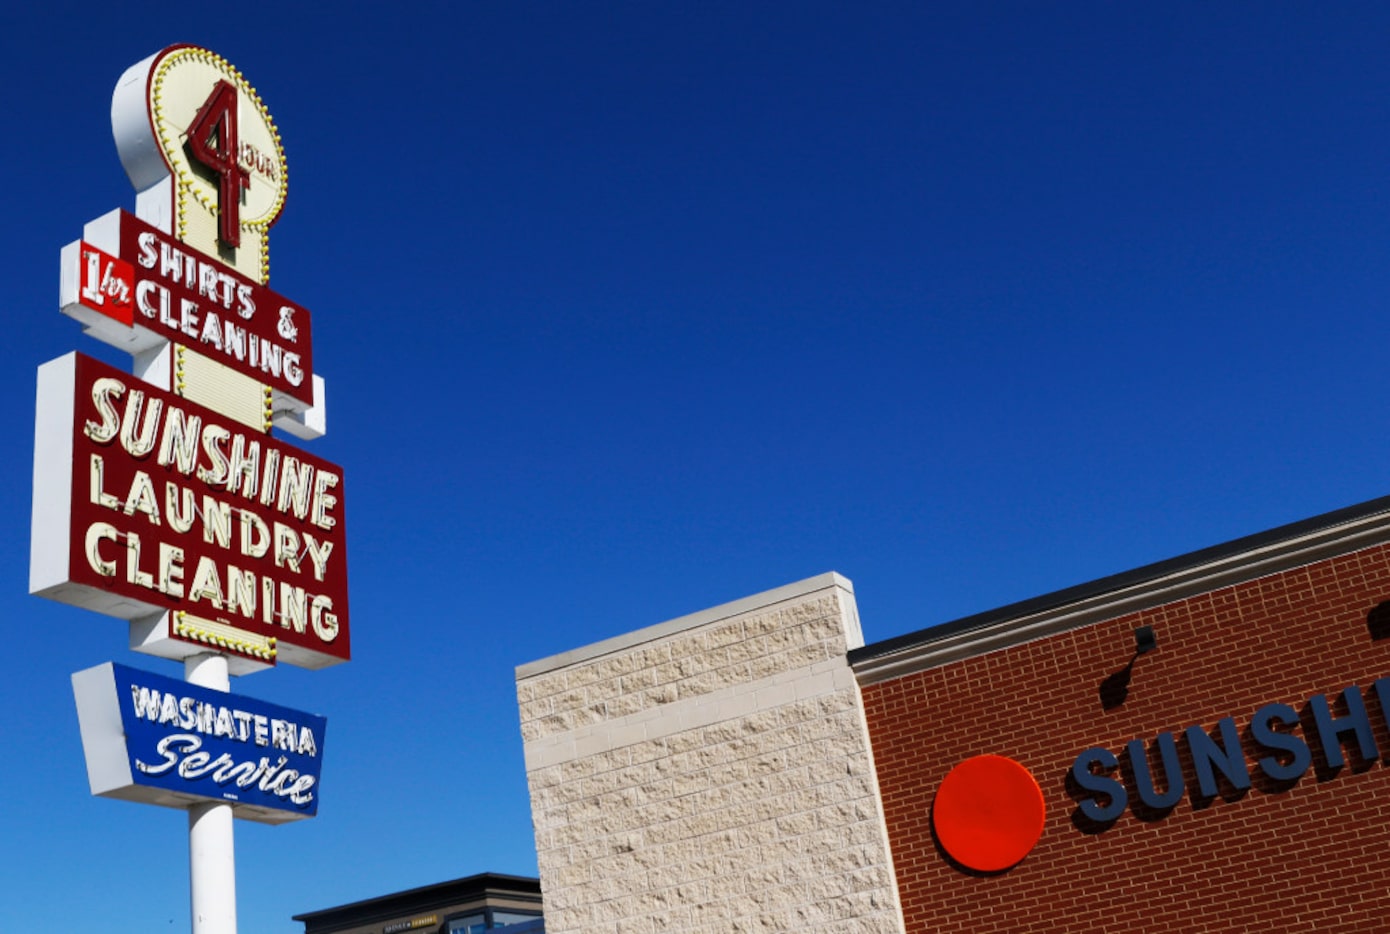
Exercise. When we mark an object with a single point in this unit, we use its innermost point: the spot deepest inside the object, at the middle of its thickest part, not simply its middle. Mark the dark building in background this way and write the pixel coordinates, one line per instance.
(485, 902)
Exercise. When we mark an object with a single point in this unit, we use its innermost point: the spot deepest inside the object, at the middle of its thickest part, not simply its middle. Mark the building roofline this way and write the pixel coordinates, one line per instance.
(680, 624)
(1243, 559)
(494, 884)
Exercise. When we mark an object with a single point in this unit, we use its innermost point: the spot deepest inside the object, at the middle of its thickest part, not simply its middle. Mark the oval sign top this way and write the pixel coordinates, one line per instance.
(203, 154)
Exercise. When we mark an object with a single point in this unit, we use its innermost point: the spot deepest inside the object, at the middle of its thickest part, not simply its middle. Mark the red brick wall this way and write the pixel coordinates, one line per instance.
(1314, 857)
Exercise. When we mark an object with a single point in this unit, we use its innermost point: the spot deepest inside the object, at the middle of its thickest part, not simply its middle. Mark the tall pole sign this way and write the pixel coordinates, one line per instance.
(162, 497)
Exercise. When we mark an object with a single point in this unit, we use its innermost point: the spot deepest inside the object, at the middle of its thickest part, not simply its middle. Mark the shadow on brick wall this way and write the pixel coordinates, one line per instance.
(1378, 621)
(1114, 690)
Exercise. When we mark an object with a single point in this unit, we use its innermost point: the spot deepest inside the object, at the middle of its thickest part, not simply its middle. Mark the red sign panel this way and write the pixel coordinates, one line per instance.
(145, 502)
(180, 294)
(106, 285)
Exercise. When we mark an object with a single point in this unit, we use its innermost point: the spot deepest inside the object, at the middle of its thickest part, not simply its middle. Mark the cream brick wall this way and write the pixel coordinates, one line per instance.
(710, 774)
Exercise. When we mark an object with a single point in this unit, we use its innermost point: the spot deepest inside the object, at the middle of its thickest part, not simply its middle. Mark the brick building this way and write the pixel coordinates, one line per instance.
(1200, 744)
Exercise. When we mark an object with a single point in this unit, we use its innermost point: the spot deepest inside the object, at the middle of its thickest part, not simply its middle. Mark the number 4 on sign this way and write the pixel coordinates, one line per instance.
(212, 141)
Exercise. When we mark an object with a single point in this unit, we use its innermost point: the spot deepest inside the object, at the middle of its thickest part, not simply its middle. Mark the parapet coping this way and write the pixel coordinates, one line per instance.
(759, 601)
(1298, 544)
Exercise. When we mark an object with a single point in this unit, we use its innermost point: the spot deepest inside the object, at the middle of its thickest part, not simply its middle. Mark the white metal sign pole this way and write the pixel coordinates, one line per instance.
(211, 852)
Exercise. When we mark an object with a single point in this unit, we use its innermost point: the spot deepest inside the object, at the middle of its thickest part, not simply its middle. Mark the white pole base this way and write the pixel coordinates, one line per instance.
(211, 852)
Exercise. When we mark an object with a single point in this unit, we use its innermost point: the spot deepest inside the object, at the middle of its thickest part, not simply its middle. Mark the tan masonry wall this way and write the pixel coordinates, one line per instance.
(712, 773)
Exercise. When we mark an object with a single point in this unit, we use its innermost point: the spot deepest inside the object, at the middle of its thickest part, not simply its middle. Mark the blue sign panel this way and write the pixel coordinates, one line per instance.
(163, 741)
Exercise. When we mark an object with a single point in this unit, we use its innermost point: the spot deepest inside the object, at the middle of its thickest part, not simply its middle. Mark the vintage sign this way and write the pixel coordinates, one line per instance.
(148, 504)
(210, 176)
(134, 286)
(202, 152)
(161, 497)
(157, 740)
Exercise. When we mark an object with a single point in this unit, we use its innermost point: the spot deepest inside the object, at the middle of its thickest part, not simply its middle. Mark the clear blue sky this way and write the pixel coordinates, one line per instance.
(630, 309)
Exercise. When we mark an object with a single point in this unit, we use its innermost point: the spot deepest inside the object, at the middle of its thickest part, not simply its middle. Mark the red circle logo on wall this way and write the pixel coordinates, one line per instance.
(988, 813)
